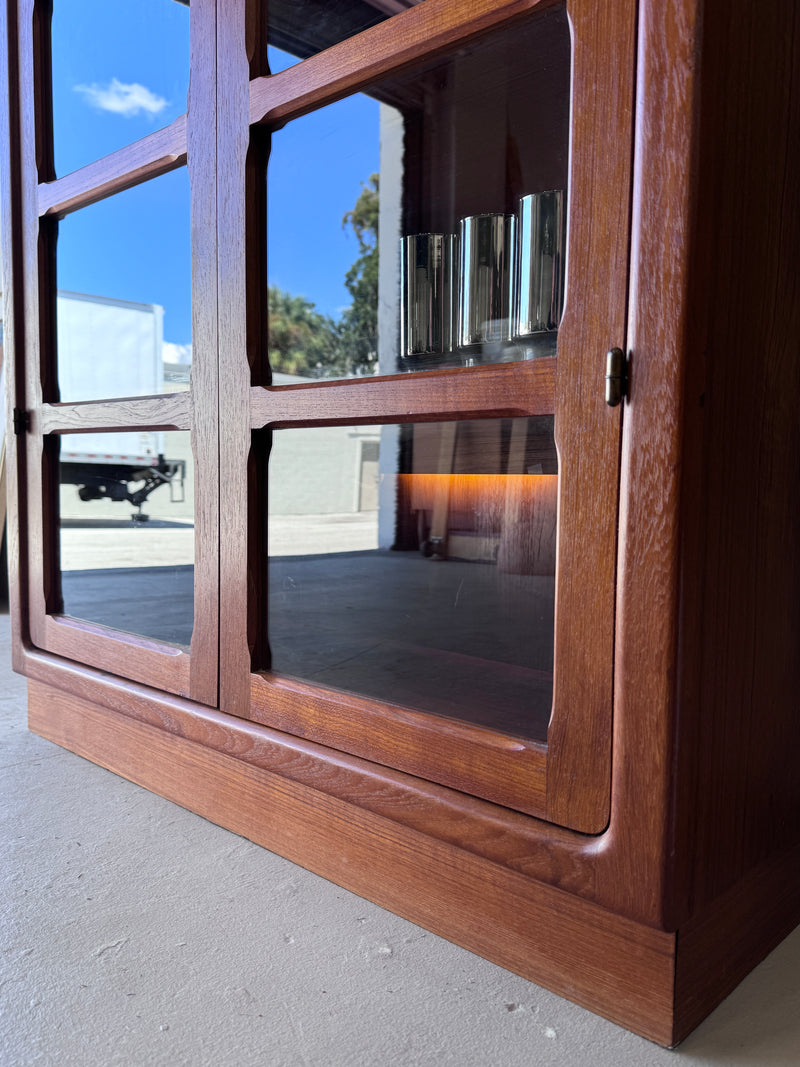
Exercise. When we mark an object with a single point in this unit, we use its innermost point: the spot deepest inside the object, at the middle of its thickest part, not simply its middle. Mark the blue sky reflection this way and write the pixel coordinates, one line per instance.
(120, 72)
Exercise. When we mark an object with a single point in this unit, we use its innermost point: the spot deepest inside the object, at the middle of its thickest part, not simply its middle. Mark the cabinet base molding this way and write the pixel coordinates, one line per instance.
(656, 983)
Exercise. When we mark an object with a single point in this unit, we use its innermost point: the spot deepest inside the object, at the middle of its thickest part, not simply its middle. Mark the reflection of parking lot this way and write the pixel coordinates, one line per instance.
(307, 535)
(455, 638)
(100, 544)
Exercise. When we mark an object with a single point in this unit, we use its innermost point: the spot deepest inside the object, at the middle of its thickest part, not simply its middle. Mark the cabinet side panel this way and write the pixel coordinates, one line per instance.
(719, 946)
(738, 796)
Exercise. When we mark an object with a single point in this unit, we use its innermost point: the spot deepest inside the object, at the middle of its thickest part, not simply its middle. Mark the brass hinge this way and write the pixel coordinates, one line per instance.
(22, 421)
(616, 377)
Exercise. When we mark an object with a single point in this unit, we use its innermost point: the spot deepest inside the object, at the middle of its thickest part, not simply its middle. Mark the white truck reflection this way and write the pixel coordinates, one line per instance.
(109, 349)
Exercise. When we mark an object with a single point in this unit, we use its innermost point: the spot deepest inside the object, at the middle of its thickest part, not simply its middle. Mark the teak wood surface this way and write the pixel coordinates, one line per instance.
(164, 412)
(739, 681)
(644, 920)
(154, 155)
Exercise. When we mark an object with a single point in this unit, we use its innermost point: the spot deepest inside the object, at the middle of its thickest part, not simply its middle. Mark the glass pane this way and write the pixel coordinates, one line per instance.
(124, 300)
(300, 28)
(126, 532)
(423, 224)
(416, 564)
(120, 71)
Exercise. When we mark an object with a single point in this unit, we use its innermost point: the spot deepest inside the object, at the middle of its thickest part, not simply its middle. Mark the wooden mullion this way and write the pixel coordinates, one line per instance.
(257, 318)
(505, 390)
(156, 154)
(424, 31)
(50, 547)
(203, 399)
(240, 51)
(171, 411)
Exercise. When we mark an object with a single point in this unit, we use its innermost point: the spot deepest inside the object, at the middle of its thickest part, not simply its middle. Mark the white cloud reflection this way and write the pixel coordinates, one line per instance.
(124, 99)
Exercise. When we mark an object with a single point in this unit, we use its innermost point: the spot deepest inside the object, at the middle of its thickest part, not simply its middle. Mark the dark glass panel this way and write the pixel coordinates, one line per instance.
(416, 564)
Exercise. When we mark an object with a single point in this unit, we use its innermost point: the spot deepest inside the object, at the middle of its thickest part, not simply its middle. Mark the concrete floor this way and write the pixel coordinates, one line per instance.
(136, 933)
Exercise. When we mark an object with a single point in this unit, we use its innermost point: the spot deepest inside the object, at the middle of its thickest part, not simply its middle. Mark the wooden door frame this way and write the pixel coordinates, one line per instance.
(35, 202)
(568, 781)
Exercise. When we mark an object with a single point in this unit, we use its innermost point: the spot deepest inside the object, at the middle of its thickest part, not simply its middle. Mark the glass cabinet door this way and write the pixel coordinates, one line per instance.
(316, 428)
(433, 268)
(121, 376)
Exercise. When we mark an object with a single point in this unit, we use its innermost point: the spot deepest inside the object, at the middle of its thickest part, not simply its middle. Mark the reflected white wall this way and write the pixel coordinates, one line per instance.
(389, 232)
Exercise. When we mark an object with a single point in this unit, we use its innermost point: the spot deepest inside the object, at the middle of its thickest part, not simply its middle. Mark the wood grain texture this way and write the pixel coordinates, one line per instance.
(475, 760)
(169, 411)
(43, 88)
(422, 32)
(704, 795)
(649, 534)
(11, 227)
(236, 245)
(36, 260)
(530, 847)
(156, 154)
(202, 166)
(602, 961)
(505, 390)
(594, 320)
(727, 938)
(126, 655)
(739, 790)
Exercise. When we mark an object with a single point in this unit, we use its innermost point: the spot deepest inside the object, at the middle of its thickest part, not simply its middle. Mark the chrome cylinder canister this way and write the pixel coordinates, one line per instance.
(486, 279)
(540, 263)
(427, 299)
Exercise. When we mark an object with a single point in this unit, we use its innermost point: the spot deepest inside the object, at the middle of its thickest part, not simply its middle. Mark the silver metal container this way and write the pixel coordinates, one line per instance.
(486, 279)
(540, 264)
(426, 294)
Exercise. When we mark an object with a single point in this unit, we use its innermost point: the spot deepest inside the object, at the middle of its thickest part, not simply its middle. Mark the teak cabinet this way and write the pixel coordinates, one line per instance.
(593, 781)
